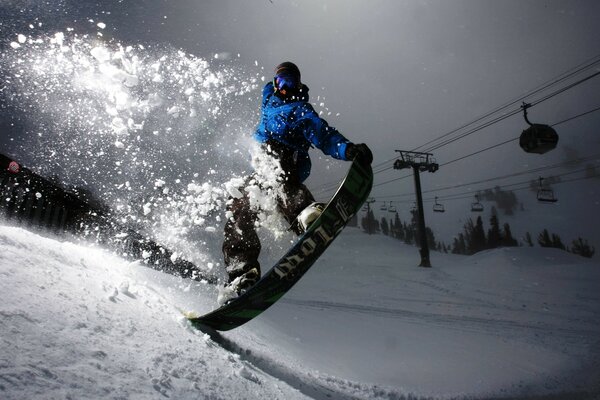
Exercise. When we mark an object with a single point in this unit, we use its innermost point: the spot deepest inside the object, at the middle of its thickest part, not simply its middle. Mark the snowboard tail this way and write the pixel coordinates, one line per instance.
(348, 199)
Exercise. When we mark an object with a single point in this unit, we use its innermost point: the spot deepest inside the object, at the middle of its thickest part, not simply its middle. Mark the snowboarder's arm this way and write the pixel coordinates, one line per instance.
(322, 136)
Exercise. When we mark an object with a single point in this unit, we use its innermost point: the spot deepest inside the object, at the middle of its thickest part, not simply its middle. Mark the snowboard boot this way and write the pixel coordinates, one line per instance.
(242, 276)
(307, 217)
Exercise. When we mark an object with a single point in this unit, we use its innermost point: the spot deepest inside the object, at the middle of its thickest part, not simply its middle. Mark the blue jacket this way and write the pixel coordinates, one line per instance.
(297, 125)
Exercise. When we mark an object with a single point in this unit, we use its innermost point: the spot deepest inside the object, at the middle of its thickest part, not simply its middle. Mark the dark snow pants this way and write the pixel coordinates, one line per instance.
(241, 246)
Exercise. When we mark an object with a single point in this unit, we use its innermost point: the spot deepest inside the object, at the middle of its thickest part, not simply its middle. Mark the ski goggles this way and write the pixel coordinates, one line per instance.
(283, 83)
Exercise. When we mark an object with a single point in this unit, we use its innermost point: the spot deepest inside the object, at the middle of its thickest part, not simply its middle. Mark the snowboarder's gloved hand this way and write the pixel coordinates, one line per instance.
(360, 151)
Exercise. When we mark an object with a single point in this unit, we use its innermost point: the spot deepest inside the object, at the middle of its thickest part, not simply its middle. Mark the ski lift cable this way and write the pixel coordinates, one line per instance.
(480, 151)
(587, 65)
(576, 116)
(560, 78)
(474, 130)
(505, 142)
(331, 186)
(524, 184)
(517, 111)
(495, 178)
(515, 139)
(564, 89)
(581, 159)
(508, 185)
(574, 71)
(531, 171)
(492, 147)
(492, 122)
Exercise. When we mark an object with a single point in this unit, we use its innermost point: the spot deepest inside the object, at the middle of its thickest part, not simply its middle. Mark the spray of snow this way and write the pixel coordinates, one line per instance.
(158, 135)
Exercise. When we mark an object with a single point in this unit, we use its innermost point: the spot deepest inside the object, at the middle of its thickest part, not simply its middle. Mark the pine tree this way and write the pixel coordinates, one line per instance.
(557, 242)
(430, 238)
(544, 239)
(581, 247)
(409, 233)
(494, 211)
(494, 236)
(528, 239)
(508, 240)
(385, 229)
(369, 224)
(459, 246)
(399, 234)
(476, 237)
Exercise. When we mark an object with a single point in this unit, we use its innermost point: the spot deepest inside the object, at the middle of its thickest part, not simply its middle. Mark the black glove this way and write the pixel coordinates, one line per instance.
(359, 151)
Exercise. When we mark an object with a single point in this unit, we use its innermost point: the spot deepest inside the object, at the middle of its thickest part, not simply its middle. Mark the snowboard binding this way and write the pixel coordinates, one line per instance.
(307, 217)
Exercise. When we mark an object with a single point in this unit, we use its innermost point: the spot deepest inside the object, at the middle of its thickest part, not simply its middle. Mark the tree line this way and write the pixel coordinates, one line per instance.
(474, 236)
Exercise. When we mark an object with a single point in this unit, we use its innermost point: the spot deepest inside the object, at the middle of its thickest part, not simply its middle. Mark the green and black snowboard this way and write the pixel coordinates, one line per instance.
(348, 199)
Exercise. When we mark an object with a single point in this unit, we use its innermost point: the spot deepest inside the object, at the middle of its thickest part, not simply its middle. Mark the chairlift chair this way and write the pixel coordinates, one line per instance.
(391, 208)
(476, 206)
(383, 207)
(437, 207)
(545, 195)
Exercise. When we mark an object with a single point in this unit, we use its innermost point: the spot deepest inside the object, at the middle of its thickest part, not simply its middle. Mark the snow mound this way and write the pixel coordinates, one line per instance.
(81, 323)
(364, 323)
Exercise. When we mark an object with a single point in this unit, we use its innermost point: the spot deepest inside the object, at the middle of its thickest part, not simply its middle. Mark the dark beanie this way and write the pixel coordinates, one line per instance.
(289, 69)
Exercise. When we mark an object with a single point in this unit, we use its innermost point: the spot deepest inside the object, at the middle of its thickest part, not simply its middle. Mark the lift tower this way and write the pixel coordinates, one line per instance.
(419, 162)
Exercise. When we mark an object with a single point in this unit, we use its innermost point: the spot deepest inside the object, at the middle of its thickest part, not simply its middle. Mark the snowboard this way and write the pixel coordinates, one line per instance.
(344, 204)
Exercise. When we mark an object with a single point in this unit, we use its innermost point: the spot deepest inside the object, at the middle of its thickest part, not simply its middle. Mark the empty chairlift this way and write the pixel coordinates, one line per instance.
(414, 208)
(391, 208)
(437, 207)
(476, 206)
(383, 207)
(545, 195)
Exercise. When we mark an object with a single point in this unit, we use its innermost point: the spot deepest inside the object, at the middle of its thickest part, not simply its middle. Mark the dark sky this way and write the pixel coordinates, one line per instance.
(399, 73)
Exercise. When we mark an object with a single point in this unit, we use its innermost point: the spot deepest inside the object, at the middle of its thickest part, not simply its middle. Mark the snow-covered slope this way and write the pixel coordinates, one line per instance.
(365, 322)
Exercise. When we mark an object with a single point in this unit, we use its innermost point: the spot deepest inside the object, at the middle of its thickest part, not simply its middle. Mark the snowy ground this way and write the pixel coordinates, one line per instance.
(365, 322)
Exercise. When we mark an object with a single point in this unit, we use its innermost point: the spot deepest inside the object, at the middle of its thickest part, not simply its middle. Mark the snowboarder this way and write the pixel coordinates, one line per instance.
(288, 128)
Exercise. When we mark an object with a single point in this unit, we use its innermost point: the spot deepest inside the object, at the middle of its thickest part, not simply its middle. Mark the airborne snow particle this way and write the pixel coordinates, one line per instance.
(101, 25)
(15, 45)
(21, 38)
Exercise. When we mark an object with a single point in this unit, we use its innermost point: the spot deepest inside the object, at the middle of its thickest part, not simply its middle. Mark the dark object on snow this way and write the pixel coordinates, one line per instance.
(34, 202)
